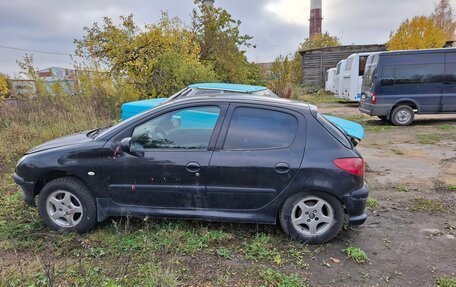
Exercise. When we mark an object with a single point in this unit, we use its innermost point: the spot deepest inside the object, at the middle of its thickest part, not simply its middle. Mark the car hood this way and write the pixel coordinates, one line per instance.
(62, 141)
(352, 129)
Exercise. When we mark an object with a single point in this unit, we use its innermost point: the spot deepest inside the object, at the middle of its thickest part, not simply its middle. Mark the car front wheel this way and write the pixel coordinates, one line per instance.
(67, 204)
(312, 217)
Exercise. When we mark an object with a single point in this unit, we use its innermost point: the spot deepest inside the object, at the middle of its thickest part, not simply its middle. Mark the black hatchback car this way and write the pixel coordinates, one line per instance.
(233, 158)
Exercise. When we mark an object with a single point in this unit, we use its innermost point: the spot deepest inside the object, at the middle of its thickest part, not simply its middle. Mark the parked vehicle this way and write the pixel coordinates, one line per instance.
(133, 108)
(234, 158)
(353, 76)
(399, 84)
(330, 76)
(339, 79)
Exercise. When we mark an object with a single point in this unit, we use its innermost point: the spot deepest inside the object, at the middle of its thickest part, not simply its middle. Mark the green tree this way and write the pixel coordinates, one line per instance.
(420, 32)
(281, 74)
(29, 71)
(154, 61)
(443, 18)
(222, 45)
(4, 87)
(320, 41)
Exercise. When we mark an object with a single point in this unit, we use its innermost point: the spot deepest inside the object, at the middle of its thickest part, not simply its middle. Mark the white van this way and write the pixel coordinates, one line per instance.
(353, 76)
(330, 77)
(339, 78)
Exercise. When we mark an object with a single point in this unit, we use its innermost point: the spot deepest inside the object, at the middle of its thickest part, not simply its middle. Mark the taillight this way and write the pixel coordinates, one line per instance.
(374, 98)
(353, 165)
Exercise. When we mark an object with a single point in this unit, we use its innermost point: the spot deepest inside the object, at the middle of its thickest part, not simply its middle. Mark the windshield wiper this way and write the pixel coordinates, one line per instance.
(96, 132)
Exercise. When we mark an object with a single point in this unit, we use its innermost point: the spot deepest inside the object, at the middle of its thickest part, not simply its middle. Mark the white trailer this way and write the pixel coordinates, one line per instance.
(339, 78)
(353, 76)
(330, 77)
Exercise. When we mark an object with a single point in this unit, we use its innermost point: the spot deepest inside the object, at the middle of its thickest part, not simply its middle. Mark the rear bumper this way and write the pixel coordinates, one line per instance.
(355, 203)
(27, 189)
(374, 110)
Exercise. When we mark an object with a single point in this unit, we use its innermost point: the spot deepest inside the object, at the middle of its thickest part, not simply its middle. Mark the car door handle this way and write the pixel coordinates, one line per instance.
(193, 166)
(282, 167)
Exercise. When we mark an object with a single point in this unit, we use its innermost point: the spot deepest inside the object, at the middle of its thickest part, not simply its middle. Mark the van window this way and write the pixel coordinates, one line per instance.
(418, 74)
(349, 64)
(450, 73)
(362, 65)
(369, 75)
(387, 76)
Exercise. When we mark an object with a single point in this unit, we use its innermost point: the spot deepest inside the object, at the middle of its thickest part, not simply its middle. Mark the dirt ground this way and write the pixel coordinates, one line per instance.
(407, 245)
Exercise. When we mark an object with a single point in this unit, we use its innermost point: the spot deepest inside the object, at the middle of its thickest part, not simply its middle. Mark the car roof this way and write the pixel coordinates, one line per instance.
(247, 99)
(228, 87)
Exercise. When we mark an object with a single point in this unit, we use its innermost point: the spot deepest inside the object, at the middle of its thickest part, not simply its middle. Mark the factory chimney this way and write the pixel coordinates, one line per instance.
(315, 18)
(208, 3)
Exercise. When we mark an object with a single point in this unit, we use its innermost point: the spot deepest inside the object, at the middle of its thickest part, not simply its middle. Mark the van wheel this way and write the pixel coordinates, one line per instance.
(67, 204)
(402, 116)
(312, 217)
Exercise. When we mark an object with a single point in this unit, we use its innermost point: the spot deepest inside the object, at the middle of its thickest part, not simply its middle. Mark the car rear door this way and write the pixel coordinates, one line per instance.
(449, 87)
(259, 151)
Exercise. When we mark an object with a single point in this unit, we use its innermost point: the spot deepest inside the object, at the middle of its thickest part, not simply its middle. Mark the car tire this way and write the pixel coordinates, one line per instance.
(310, 223)
(67, 204)
(402, 116)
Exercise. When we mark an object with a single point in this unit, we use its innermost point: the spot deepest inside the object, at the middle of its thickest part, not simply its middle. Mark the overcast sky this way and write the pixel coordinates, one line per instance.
(277, 26)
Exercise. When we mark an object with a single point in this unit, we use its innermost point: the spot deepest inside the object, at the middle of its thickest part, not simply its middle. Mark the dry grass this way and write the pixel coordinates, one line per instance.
(30, 122)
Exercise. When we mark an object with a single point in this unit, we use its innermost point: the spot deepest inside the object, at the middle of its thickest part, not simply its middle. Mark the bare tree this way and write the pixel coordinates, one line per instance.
(443, 18)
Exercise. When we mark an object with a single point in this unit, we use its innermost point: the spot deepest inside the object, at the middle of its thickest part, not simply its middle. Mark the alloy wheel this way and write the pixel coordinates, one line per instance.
(64, 208)
(312, 216)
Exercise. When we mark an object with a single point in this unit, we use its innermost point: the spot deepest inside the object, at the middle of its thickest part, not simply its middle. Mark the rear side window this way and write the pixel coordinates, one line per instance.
(450, 72)
(335, 131)
(412, 74)
(253, 128)
(387, 76)
(418, 74)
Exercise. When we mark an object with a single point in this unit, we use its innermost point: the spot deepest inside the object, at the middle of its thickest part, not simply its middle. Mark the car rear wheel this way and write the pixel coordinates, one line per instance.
(312, 217)
(402, 116)
(67, 204)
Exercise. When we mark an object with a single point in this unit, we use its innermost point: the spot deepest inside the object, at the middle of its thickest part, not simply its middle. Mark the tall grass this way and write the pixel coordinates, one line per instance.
(29, 122)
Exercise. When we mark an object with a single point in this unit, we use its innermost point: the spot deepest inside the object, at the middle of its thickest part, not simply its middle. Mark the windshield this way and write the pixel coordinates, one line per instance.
(181, 93)
(108, 129)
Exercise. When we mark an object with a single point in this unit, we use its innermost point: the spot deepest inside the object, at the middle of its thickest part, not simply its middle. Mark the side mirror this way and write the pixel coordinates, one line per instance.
(125, 145)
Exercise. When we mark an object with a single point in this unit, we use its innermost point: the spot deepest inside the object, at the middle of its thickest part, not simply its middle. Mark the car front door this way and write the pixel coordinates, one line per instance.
(168, 159)
(258, 153)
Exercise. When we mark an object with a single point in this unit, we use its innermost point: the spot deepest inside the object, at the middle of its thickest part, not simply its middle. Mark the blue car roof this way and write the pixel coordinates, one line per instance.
(228, 87)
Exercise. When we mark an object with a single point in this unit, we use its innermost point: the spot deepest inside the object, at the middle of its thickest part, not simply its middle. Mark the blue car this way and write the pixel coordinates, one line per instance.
(134, 108)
